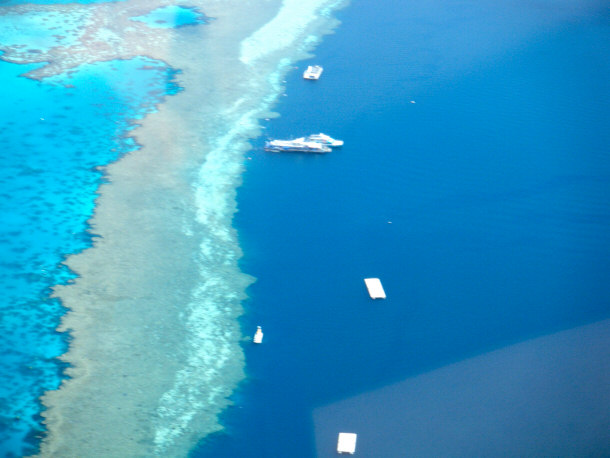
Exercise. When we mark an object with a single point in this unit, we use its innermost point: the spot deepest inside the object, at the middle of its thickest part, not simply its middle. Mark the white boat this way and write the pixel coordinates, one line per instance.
(299, 145)
(324, 139)
(258, 337)
(313, 72)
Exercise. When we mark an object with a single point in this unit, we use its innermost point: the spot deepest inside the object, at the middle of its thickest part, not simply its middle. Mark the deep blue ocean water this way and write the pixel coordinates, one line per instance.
(55, 134)
(483, 206)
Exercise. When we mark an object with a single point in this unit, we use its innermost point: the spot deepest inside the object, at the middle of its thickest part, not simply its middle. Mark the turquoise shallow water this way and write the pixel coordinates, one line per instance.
(55, 135)
(496, 182)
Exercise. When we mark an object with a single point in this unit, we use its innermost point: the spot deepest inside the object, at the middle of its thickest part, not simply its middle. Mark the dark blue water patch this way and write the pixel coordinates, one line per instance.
(56, 134)
(482, 206)
(509, 402)
(172, 16)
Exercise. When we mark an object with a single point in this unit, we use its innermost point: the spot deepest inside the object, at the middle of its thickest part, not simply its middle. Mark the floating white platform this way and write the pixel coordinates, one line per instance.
(258, 337)
(375, 289)
(347, 443)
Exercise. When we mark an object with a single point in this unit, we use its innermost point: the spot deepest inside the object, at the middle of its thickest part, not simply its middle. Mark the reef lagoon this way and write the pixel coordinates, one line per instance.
(125, 151)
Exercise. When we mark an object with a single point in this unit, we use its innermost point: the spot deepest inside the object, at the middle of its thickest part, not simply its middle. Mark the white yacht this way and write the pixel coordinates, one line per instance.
(325, 140)
(258, 337)
(299, 145)
(313, 72)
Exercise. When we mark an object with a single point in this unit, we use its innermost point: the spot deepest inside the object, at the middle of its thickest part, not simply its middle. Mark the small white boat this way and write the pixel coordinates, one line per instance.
(299, 145)
(258, 337)
(313, 72)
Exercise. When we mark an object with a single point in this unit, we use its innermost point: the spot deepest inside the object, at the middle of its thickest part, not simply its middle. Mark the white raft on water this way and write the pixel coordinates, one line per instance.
(258, 337)
(375, 289)
(346, 443)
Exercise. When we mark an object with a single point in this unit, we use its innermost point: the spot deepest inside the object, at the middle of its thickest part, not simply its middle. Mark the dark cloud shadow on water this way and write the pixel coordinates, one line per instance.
(545, 397)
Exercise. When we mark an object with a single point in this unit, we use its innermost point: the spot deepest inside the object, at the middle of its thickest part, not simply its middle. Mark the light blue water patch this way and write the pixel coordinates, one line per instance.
(171, 17)
(55, 134)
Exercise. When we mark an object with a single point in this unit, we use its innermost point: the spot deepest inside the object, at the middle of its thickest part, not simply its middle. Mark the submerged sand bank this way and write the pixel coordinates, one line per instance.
(155, 348)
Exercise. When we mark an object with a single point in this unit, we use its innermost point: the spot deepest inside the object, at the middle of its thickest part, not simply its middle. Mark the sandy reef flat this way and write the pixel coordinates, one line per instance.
(155, 342)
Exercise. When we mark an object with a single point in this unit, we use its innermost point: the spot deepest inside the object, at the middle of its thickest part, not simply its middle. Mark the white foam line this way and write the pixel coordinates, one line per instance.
(213, 332)
(284, 29)
(215, 362)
